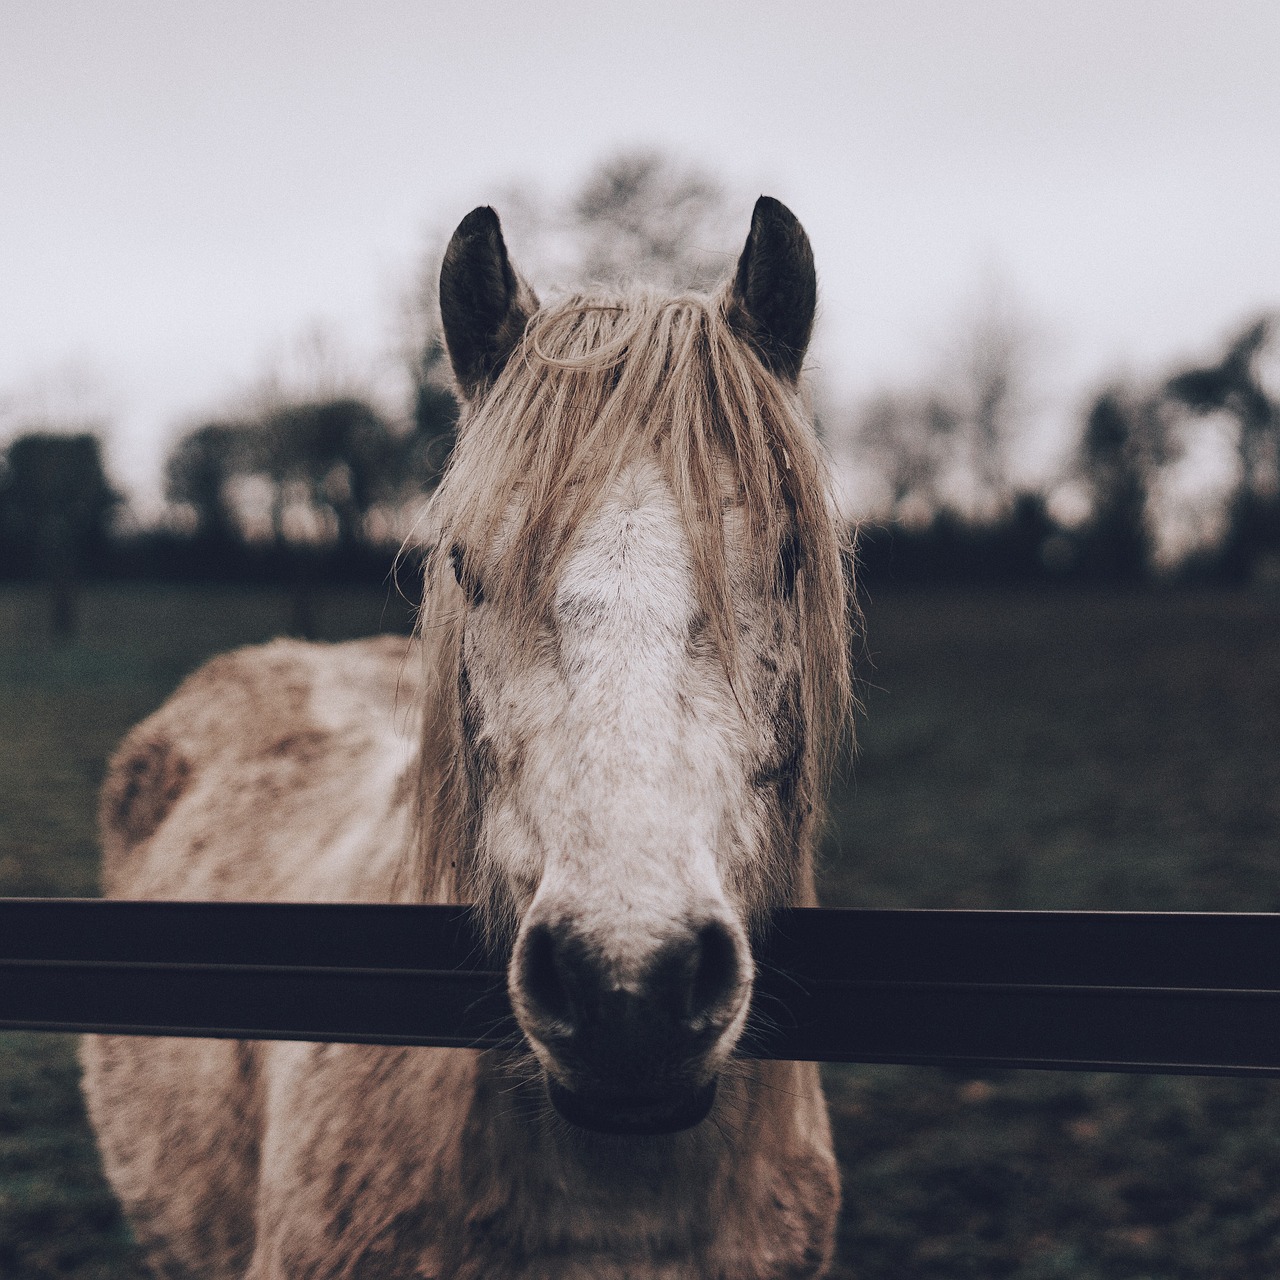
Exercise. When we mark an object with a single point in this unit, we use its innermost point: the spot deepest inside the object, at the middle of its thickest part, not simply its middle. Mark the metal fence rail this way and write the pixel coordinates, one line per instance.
(1113, 991)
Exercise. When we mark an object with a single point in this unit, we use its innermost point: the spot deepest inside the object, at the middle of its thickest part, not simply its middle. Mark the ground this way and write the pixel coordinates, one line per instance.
(1043, 750)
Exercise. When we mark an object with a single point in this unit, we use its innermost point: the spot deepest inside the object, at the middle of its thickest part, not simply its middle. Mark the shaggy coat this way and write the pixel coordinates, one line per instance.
(610, 734)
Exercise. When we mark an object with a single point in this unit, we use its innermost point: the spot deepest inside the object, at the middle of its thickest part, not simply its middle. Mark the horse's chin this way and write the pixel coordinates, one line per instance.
(632, 1116)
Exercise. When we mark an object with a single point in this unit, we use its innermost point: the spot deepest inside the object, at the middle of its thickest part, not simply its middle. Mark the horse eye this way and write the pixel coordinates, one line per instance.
(789, 555)
(466, 578)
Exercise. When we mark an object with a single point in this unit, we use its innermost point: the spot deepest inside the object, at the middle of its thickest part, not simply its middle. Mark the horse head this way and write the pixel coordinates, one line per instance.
(636, 629)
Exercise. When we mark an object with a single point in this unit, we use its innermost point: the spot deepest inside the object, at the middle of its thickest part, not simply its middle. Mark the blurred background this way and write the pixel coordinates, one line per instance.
(1046, 371)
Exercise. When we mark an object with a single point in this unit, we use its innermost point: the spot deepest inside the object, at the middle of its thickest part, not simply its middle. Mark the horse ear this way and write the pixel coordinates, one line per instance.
(484, 302)
(775, 292)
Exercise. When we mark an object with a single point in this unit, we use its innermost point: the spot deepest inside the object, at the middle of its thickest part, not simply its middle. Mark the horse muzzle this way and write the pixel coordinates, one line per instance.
(632, 1048)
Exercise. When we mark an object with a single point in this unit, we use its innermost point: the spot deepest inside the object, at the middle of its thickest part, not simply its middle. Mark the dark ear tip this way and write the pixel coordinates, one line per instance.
(481, 221)
(772, 214)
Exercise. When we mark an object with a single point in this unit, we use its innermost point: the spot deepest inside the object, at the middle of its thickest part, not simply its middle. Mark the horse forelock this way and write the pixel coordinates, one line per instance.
(597, 384)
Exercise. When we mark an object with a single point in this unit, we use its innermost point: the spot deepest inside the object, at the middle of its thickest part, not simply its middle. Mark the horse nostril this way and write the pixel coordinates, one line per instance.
(542, 976)
(717, 972)
(566, 991)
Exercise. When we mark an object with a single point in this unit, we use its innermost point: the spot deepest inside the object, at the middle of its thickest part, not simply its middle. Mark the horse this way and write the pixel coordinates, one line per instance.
(611, 733)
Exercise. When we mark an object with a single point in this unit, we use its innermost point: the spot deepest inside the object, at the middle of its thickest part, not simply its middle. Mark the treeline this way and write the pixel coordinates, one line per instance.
(306, 491)
(1132, 443)
(331, 482)
(323, 487)
(324, 490)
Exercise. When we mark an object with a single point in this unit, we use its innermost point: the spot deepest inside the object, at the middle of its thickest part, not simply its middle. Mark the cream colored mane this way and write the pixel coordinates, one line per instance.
(596, 383)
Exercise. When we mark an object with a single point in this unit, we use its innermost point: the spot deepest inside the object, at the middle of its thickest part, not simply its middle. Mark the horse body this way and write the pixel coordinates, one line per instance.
(608, 736)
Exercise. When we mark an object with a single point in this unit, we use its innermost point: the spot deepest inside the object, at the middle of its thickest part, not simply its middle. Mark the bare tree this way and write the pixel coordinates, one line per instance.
(907, 439)
(641, 215)
(1234, 385)
(947, 444)
(987, 391)
(1125, 445)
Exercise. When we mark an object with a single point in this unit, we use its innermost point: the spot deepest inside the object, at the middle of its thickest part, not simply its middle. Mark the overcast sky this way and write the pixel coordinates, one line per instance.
(186, 189)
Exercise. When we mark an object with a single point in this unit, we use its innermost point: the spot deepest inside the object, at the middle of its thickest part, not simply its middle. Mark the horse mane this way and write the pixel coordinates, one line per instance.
(596, 383)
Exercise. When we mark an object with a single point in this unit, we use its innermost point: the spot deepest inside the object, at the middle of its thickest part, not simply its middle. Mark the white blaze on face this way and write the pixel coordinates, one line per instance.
(619, 759)
(647, 774)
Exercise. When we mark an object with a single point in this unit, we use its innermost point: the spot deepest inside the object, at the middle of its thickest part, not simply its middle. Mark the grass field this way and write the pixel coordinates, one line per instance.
(1025, 751)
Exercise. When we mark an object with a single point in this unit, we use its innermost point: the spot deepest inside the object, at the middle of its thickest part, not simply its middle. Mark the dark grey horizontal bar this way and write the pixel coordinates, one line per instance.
(338, 935)
(1065, 1028)
(1119, 991)
(247, 1002)
(1196, 950)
